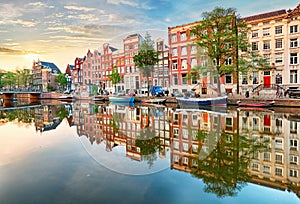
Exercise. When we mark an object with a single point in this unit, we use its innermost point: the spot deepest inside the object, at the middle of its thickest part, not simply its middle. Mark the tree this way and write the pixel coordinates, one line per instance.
(217, 38)
(9, 79)
(146, 58)
(61, 80)
(114, 77)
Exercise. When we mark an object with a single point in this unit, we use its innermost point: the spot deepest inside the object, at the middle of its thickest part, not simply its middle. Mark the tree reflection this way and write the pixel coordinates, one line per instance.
(62, 113)
(19, 115)
(225, 169)
(148, 144)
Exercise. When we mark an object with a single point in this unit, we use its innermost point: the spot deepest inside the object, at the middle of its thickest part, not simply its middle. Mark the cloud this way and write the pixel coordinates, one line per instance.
(79, 8)
(19, 22)
(9, 51)
(132, 3)
(39, 4)
(9, 11)
(88, 17)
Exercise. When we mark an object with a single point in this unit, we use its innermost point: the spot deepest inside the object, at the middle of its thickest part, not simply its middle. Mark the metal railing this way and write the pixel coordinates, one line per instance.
(21, 90)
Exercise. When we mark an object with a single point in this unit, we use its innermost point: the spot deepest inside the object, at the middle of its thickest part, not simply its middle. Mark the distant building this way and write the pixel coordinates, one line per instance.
(132, 76)
(44, 74)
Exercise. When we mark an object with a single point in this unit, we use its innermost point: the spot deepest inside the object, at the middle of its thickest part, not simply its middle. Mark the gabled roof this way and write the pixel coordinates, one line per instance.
(113, 49)
(51, 66)
(72, 67)
(265, 15)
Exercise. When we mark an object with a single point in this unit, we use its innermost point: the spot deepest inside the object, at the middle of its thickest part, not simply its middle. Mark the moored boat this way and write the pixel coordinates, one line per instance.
(256, 104)
(154, 100)
(66, 98)
(123, 99)
(198, 102)
(98, 98)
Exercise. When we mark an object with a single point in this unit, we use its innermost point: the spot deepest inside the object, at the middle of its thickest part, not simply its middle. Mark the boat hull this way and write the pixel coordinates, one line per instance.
(121, 99)
(154, 100)
(200, 102)
(259, 104)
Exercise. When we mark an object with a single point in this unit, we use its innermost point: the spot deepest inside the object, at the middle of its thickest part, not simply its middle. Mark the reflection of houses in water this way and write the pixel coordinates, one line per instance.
(186, 127)
(276, 165)
(45, 118)
(118, 125)
(85, 118)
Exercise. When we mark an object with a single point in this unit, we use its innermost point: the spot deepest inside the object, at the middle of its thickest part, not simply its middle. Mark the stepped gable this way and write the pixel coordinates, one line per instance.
(265, 15)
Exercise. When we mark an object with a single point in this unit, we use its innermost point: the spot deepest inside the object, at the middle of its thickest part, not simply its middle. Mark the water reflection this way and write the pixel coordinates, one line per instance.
(226, 149)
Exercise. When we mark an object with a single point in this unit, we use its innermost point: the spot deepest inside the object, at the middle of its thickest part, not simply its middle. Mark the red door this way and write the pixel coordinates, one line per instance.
(267, 81)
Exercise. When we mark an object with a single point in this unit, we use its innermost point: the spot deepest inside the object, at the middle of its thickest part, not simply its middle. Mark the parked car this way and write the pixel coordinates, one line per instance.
(157, 91)
(131, 93)
(293, 93)
(120, 93)
(176, 94)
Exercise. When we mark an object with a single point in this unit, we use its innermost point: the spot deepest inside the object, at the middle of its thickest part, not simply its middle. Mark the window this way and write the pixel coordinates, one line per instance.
(278, 143)
(174, 65)
(174, 38)
(278, 171)
(293, 42)
(184, 64)
(254, 46)
(228, 61)
(293, 159)
(278, 43)
(293, 58)
(294, 29)
(278, 158)
(185, 147)
(278, 30)
(193, 62)
(174, 52)
(266, 45)
(294, 144)
(176, 145)
(267, 156)
(193, 49)
(182, 36)
(266, 169)
(266, 32)
(184, 79)
(255, 34)
(255, 167)
(228, 79)
(293, 127)
(193, 36)
(278, 59)
(293, 173)
(183, 51)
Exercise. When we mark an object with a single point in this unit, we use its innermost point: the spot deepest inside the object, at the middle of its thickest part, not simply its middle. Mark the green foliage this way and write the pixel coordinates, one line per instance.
(50, 88)
(9, 79)
(61, 80)
(218, 39)
(115, 77)
(146, 58)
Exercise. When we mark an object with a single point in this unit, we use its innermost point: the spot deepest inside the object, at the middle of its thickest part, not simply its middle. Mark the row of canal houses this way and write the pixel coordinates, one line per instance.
(273, 35)
(261, 147)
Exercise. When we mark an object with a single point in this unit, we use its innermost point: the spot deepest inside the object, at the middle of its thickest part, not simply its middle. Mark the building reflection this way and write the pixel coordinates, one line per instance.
(224, 149)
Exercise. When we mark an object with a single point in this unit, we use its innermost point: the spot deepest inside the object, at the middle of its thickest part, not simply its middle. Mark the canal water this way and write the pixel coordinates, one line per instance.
(123, 153)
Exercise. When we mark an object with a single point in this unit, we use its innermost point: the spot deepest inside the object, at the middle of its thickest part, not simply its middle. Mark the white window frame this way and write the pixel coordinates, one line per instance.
(278, 44)
(266, 32)
(293, 42)
(278, 30)
(293, 29)
(294, 59)
(278, 59)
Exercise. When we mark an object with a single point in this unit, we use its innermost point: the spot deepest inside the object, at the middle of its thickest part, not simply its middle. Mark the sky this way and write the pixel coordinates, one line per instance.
(58, 31)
